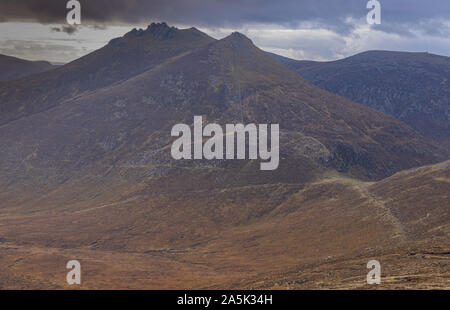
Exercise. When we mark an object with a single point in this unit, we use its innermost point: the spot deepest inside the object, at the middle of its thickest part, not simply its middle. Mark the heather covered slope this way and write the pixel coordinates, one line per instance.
(12, 68)
(316, 236)
(415, 205)
(412, 87)
(420, 199)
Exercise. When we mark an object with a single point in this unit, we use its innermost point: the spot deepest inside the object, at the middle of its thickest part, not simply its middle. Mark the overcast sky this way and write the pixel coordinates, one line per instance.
(301, 29)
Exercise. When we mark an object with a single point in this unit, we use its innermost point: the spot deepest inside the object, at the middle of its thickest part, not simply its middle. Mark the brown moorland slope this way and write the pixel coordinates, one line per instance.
(316, 236)
(122, 58)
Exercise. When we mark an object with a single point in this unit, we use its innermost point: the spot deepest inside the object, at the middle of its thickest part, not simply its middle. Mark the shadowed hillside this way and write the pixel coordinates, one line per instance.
(412, 87)
(12, 68)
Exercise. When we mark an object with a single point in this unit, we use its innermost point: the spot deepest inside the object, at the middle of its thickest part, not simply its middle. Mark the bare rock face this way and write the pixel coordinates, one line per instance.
(161, 31)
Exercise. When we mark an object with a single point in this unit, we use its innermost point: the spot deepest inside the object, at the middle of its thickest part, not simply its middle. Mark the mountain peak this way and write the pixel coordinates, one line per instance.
(239, 36)
(238, 40)
(160, 31)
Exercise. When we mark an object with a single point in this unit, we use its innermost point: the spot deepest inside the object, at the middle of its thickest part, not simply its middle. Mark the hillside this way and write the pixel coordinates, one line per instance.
(12, 68)
(412, 87)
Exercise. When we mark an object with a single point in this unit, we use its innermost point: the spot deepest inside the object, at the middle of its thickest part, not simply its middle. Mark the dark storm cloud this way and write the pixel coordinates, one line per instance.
(67, 29)
(330, 14)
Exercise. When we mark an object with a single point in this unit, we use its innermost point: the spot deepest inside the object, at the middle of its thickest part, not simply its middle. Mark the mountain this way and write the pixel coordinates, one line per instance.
(12, 68)
(227, 81)
(412, 87)
(134, 53)
(91, 175)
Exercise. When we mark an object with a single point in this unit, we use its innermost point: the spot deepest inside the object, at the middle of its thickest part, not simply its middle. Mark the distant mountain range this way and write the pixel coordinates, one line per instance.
(86, 169)
(412, 87)
(14, 68)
